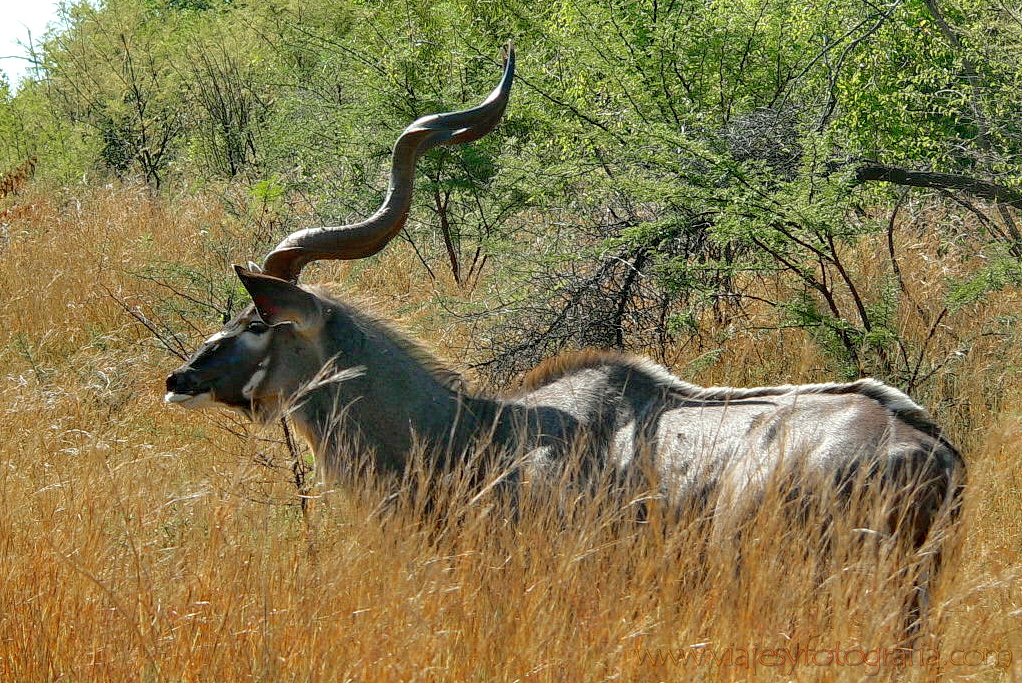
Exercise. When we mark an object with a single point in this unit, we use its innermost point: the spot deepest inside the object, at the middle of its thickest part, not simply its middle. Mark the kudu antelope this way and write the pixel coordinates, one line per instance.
(715, 448)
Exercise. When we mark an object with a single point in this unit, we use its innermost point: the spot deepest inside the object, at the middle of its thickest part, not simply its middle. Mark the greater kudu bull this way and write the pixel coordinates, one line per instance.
(343, 376)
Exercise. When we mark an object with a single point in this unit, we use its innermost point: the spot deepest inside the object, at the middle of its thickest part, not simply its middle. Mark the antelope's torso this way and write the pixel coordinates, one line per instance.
(722, 448)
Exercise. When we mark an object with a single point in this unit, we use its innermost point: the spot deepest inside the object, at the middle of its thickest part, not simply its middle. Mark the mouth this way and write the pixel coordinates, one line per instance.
(191, 401)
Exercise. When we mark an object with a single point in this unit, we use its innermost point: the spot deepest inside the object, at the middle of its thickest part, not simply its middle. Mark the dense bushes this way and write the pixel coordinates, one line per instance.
(656, 161)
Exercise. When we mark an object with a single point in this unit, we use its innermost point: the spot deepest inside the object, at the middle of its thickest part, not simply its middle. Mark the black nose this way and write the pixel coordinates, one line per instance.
(178, 384)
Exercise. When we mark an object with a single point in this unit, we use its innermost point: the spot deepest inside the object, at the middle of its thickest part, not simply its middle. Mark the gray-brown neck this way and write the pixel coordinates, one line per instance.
(390, 396)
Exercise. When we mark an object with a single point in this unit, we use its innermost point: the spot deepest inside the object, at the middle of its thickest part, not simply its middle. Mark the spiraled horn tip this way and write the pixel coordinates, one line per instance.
(367, 237)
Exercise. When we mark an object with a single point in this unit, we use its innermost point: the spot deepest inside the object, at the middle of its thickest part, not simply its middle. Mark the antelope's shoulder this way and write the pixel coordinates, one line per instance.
(609, 362)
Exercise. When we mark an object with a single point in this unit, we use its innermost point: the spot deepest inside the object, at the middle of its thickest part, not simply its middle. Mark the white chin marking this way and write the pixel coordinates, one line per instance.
(253, 383)
(189, 400)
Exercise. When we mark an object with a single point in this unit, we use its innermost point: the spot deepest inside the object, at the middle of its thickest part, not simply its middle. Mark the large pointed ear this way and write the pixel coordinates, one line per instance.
(279, 301)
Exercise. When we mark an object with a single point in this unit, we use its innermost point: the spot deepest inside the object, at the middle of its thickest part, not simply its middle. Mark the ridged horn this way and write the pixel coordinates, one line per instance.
(371, 235)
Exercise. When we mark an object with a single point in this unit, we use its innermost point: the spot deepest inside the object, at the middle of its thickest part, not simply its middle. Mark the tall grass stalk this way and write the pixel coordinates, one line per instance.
(139, 542)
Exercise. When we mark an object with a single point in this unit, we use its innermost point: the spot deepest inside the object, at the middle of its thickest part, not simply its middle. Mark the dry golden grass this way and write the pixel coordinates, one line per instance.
(139, 542)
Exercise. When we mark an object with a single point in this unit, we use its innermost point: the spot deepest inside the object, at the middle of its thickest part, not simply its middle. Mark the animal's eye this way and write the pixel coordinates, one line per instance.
(257, 327)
